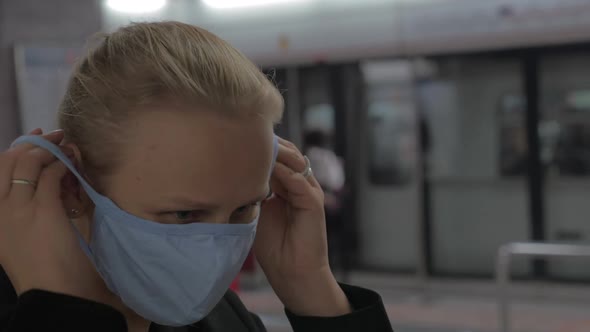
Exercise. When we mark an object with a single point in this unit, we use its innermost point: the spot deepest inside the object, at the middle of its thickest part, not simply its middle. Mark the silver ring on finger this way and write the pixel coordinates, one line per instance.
(307, 172)
(25, 182)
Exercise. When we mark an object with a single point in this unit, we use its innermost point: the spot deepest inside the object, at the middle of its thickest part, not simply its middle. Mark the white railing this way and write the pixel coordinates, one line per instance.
(538, 250)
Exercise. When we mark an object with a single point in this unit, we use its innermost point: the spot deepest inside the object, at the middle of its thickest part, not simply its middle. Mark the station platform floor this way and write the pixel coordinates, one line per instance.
(443, 305)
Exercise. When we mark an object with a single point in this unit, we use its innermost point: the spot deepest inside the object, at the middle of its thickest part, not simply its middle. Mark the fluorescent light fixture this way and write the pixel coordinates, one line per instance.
(228, 4)
(136, 6)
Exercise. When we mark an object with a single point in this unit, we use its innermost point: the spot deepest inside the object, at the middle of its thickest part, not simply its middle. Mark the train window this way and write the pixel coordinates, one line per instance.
(572, 156)
(572, 131)
(513, 140)
(392, 138)
(564, 134)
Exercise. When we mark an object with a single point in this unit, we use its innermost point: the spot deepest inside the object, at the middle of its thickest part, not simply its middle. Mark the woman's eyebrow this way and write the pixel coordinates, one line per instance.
(184, 202)
(193, 203)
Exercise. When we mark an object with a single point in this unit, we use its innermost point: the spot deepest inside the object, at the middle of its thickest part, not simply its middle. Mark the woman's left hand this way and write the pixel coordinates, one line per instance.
(291, 244)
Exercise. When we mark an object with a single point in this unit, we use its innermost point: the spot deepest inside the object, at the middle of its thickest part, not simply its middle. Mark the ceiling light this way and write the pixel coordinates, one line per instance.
(136, 6)
(228, 4)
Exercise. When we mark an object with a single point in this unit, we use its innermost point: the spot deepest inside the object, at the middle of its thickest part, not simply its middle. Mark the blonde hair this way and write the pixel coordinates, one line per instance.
(147, 63)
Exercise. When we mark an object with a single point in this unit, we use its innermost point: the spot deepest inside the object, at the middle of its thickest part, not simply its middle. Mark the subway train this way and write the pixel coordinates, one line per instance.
(463, 124)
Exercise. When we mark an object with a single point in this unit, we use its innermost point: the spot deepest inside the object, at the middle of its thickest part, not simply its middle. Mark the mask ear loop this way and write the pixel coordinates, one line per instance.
(83, 244)
(275, 153)
(53, 149)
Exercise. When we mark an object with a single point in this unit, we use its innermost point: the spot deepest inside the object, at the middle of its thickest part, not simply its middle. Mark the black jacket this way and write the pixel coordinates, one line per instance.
(38, 310)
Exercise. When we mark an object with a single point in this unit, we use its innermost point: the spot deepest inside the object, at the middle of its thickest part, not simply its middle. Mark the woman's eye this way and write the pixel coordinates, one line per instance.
(246, 213)
(187, 216)
(183, 215)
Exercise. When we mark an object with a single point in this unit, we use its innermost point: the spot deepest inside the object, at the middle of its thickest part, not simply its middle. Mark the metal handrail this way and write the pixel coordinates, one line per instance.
(531, 250)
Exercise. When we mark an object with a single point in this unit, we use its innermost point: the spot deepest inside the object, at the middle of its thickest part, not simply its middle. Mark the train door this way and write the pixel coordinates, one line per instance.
(475, 114)
(388, 172)
(565, 139)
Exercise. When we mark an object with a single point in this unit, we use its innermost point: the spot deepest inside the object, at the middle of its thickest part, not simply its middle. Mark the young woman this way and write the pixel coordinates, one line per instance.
(138, 213)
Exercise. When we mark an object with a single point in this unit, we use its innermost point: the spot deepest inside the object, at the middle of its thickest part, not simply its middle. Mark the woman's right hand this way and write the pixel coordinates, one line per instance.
(39, 248)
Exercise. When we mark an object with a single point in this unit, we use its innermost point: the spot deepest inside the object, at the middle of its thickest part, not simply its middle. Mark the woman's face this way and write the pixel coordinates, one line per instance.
(187, 165)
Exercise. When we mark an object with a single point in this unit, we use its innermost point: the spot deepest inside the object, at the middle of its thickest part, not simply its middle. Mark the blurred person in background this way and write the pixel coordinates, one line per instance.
(329, 171)
(138, 213)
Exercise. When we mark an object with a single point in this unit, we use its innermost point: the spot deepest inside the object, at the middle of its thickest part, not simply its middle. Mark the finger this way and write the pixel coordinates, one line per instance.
(28, 168)
(7, 164)
(288, 144)
(54, 137)
(313, 181)
(297, 190)
(269, 228)
(49, 188)
(291, 158)
(291, 181)
(277, 187)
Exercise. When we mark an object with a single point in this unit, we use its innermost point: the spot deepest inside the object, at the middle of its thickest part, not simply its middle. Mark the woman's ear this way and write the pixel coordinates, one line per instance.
(74, 198)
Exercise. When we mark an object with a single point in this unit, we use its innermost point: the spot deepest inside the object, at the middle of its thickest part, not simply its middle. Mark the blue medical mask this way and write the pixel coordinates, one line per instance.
(172, 275)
